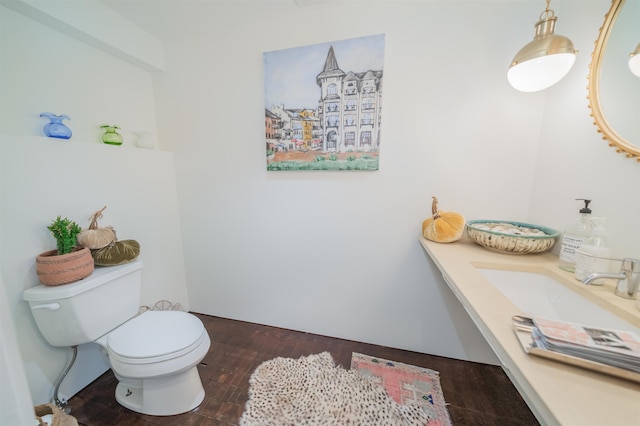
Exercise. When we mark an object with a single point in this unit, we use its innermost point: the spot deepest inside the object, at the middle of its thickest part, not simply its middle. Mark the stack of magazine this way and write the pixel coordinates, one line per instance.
(607, 351)
(615, 348)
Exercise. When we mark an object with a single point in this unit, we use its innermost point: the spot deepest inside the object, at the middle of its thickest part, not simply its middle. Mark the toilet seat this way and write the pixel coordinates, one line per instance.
(155, 336)
(155, 358)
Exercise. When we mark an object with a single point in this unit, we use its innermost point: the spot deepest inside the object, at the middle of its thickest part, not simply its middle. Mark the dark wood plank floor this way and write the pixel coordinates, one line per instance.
(477, 394)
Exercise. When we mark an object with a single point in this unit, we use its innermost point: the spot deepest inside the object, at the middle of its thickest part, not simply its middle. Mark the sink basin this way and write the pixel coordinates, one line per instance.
(539, 295)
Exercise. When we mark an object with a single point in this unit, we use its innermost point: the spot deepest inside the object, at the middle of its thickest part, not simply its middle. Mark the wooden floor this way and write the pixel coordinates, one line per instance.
(477, 394)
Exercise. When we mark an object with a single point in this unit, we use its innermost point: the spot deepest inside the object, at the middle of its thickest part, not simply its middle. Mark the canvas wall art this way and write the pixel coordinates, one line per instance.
(323, 105)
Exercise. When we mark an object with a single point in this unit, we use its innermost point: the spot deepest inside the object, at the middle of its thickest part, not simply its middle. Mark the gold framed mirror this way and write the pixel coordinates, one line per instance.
(612, 87)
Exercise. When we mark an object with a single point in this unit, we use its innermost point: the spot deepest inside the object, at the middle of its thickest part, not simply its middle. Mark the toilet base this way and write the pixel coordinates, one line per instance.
(162, 396)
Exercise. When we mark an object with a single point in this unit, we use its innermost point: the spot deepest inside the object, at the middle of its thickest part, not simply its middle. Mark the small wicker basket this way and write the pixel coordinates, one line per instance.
(519, 238)
(54, 269)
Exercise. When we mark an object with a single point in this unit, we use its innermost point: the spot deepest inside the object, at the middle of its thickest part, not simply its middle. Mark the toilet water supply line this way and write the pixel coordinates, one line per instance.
(62, 404)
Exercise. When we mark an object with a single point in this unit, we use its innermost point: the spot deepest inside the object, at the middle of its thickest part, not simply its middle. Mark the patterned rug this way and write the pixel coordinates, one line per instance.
(406, 384)
(314, 391)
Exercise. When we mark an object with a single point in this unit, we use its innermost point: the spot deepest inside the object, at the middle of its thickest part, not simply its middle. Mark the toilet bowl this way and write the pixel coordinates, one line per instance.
(153, 355)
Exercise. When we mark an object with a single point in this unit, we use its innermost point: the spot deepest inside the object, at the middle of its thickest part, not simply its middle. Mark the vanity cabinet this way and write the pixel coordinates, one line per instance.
(558, 394)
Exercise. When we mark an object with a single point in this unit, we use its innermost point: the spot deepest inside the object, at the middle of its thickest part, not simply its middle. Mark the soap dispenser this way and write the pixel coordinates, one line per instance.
(595, 255)
(574, 236)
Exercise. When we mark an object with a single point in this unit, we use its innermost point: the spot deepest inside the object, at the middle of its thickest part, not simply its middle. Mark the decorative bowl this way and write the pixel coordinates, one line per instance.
(511, 237)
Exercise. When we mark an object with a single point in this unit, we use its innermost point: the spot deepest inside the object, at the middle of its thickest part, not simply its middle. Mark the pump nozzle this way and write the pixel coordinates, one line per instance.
(586, 208)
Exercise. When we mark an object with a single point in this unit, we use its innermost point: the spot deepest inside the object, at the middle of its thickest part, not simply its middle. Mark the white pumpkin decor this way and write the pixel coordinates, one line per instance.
(95, 237)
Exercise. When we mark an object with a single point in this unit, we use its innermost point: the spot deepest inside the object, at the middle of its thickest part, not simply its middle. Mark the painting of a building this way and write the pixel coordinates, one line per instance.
(350, 107)
(341, 130)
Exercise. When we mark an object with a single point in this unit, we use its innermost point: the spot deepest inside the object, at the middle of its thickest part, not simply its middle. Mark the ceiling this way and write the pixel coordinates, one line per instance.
(165, 19)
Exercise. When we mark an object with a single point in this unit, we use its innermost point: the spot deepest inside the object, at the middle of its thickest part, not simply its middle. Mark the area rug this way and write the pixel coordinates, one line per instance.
(312, 390)
(406, 384)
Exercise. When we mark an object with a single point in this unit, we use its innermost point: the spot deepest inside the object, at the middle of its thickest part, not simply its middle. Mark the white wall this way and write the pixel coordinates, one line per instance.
(573, 159)
(337, 253)
(15, 398)
(45, 70)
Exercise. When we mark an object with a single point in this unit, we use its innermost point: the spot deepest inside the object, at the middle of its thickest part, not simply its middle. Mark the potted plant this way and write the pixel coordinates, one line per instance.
(69, 262)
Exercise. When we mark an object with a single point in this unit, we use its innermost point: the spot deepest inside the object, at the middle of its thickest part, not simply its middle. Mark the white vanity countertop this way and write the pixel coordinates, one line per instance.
(556, 393)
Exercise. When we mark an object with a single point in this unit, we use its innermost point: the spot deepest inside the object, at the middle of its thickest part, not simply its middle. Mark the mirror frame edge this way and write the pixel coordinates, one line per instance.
(614, 139)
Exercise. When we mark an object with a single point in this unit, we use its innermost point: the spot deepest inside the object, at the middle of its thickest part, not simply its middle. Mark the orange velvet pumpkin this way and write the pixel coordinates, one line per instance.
(443, 227)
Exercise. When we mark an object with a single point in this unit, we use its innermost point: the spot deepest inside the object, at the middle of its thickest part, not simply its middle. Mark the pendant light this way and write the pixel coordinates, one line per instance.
(545, 60)
(634, 61)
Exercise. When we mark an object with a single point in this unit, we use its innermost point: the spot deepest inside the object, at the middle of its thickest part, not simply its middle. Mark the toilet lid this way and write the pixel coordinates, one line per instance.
(156, 334)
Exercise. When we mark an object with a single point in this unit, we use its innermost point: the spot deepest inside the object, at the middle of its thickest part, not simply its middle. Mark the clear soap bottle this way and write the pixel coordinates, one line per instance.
(574, 236)
(595, 254)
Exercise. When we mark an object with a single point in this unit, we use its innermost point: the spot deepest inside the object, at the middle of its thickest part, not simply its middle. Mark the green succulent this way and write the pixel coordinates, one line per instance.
(65, 232)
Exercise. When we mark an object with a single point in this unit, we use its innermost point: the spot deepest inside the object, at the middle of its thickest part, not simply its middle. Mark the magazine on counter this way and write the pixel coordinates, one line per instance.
(616, 348)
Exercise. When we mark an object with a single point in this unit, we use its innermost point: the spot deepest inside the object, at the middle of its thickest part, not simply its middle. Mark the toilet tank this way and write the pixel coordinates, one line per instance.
(80, 312)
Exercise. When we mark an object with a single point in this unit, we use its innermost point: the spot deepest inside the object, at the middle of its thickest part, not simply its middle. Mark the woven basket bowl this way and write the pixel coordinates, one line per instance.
(511, 243)
(54, 269)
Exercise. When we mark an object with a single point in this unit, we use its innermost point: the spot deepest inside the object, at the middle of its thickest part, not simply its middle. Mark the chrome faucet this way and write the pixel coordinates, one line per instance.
(628, 278)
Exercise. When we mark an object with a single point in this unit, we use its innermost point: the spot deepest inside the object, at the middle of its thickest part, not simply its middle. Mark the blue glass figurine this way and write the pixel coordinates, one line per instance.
(55, 128)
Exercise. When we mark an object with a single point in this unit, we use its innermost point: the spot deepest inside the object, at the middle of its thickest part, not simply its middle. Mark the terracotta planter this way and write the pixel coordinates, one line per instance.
(54, 269)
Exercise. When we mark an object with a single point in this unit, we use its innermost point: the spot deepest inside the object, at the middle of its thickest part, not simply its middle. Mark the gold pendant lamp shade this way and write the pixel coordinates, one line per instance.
(634, 61)
(545, 60)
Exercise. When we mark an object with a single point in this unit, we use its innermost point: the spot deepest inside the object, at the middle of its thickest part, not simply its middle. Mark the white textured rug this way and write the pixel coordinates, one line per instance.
(312, 390)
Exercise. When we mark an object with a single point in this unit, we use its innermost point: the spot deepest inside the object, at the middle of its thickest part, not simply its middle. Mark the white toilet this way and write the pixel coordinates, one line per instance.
(153, 355)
